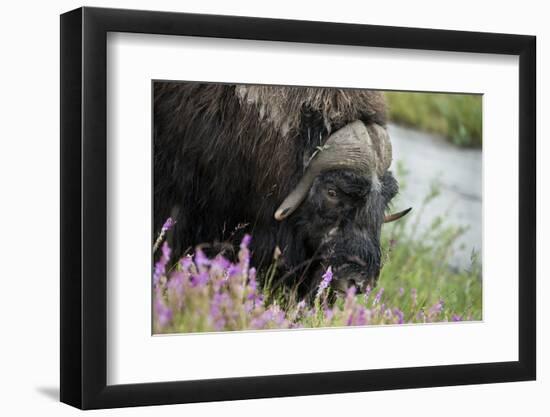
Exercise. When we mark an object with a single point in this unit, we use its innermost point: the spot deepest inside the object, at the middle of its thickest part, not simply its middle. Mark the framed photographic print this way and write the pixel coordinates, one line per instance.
(257, 208)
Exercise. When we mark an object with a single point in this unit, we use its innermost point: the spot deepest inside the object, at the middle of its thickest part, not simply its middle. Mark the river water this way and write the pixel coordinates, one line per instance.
(457, 172)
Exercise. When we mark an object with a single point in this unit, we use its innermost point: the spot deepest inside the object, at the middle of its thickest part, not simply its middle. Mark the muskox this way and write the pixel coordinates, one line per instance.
(302, 170)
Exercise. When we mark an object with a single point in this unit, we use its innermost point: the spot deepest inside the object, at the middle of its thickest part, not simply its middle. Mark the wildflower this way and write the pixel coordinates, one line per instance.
(368, 290)
(175, 289)
(248, 306)
(160, 266)
(167, 225)
(220, 305)
(361, 317)
(279, 318)
(165, 228)
(245, 242)
(350, 293)
(234, 270)
(400, 316)
(219, 264)
(252, 286)
(262, 321)
(244, 253)
(252, 274)
(201, 260)
(327, 278)
(378, 296)
(436, 309)
(186, 263)
(163, 313)
(329, 314)
(456, 317)
(200, 279)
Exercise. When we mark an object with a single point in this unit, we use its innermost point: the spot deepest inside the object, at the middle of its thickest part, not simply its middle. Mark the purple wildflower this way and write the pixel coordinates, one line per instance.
(350, 293)
(160, 266)
(400, 316)
(329, 314)
(252, 291)
(279, 318)
(244, 253)
(252, 285)
(201, 260)
(219, 264)
(252, 274)
(436, 309)
(186, 263)
(163, 313)
(175, 289)
(168, 224)
(368, 290)
(361, 319)
(234, 270)
(203, 294)
(248, 306)
(165, 228)
(200, 279)
(327, 278)
(378, 296)
(262, 321)
(219, 303)
(246, 241)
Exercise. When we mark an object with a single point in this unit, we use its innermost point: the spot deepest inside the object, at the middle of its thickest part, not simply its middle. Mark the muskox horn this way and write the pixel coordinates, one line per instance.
(366, 149)
(396, 216)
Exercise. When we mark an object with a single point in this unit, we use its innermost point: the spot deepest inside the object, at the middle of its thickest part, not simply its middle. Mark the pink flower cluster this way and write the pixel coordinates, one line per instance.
(199, 294)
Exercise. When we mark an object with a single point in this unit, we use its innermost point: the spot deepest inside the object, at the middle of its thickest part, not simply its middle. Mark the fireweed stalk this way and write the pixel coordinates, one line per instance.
(208, 295)
(168, 224)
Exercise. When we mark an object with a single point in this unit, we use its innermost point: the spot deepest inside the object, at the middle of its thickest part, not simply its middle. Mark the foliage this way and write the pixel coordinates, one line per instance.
(455, 116)
(416, 286)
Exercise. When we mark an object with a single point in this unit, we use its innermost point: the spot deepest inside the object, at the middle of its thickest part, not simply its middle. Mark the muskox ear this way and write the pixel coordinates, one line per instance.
(396, 216)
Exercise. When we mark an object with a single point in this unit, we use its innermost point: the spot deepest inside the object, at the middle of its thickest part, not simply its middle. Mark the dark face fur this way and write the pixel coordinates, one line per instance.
(341, 220)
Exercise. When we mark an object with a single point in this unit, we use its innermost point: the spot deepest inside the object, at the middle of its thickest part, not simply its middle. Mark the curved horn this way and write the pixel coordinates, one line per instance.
(351, 147)
(396, 216)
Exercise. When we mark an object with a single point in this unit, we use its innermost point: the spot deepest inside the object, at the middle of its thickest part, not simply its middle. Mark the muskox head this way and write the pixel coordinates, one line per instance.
(340, 201)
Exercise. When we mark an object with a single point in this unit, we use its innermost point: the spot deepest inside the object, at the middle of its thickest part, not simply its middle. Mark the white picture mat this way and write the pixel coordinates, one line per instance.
(135, 356)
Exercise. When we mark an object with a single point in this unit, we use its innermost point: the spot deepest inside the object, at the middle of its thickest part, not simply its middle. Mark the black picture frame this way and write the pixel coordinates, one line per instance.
(84, 207)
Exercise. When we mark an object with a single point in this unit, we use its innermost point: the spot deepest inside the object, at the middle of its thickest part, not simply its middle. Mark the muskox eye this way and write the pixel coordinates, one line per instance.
(331, 193)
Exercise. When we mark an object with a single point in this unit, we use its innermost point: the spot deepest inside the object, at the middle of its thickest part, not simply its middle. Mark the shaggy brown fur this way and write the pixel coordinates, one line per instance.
(227, 155)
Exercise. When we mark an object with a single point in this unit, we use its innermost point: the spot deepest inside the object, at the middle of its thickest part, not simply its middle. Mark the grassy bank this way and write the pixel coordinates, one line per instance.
(416, 286)
(455, 116)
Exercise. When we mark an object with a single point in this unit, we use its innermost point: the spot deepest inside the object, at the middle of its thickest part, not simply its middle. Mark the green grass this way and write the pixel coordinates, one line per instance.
(416, 285)
(455, 116)
(420, 262)
(416, 274)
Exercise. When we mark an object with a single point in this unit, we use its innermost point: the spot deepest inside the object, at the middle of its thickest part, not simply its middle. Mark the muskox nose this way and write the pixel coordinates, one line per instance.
(348, 277)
